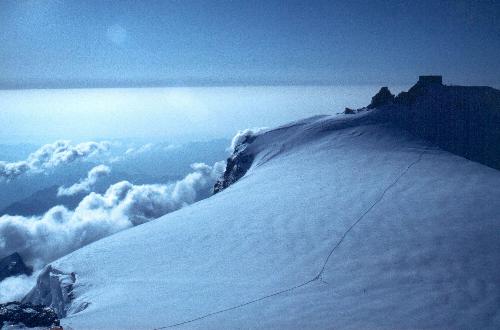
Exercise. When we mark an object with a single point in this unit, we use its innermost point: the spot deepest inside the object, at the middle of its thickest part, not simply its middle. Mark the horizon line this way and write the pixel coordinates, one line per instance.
(199, 83)
(101, 84)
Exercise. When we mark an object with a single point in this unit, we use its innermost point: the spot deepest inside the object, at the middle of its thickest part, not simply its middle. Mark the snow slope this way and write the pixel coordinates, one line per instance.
(341, 222)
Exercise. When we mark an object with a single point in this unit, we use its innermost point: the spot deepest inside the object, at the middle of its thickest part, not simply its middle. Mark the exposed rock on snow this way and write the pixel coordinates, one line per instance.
(54, 288)
(29, 315)
(13, 265)
(430, 80)
(383, 97)
(461, 120)
(236, 167)
(239, 162)
(349, 111)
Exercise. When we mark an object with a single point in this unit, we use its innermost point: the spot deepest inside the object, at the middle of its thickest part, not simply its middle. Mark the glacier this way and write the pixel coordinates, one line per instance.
(340, 221)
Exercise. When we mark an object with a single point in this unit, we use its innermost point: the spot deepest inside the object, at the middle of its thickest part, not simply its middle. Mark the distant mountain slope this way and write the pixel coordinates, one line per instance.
(337, 222)
(13, 265)
(41, 201)
(24, 186)
(160, 163)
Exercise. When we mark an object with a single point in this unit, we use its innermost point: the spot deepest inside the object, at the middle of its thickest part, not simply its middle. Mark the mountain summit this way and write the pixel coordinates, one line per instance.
(462, 120)
(13, 265)
(346, 221)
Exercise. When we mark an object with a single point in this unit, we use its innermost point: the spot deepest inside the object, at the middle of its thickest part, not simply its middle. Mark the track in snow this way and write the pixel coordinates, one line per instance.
(318, 277)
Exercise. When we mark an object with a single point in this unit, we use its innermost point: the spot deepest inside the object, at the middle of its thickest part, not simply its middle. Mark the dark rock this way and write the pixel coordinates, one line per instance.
(236, 168)
(349, 111)
(28, 314)
(236, 165)
(13, 265)
(461, 120)
(430, 80)
(382, 98)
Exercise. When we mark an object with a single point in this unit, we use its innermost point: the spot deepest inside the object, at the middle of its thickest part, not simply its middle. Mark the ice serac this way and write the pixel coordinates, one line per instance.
(54, 289)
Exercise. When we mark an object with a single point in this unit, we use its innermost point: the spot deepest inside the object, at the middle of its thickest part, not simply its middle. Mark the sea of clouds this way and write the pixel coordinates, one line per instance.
(44, 238)
(85, 185)
(41, 239)
(50, 156)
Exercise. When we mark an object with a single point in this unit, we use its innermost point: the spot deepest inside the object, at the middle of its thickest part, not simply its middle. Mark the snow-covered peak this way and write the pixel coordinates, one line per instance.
(344, 221)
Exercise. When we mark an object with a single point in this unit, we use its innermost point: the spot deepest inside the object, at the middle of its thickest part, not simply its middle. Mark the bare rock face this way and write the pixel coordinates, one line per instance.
(383, 97)
(29, 315)
(349, 111)
(53, 289)
(236, 165)
(459, 119)
(13, 265)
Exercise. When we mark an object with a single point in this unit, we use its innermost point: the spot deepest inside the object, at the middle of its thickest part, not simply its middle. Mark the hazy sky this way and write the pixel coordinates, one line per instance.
(173, 114)
(110, 43)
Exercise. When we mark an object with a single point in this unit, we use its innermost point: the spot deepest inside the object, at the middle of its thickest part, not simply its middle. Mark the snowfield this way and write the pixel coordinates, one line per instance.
(341, 222)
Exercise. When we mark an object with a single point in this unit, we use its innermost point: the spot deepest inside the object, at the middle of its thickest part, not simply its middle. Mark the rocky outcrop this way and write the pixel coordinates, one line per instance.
(54, 289)
(237, 164)
(13, 265)
(349, 111)
(461, 120)
(430, 80)
(29, 315)
(382, 98)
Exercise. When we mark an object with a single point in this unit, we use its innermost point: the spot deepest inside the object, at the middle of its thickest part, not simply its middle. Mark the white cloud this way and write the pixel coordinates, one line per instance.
(243, 136)
(12, 170)
(50, 156)
(16, 287)
(148, 147)
(59, 231)
(86, 184)
(135, 151)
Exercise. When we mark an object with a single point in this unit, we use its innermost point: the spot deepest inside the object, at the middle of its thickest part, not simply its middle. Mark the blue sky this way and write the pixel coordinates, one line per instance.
(130, 43)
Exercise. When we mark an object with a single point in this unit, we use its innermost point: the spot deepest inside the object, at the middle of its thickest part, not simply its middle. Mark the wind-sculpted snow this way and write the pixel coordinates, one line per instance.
(50, 156)
(244, 149)
(59, 231)
(339, 222)
(85, 185)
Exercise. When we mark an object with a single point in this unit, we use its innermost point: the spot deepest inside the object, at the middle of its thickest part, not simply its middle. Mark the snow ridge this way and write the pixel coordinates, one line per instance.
(344, 221)
(318, 277)
(248, 144)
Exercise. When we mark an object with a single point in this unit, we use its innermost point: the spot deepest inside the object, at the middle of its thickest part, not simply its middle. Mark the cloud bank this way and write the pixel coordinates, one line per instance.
(42, 239)
(86, 184)
(16, 287)
(50, 156)
(142, 149)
